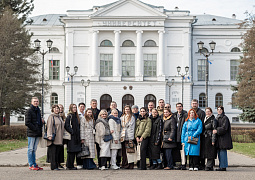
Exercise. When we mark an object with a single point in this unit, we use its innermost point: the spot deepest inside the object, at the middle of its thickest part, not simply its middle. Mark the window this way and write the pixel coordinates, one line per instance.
(54, 99)
(150, 43)
(128, 65)
(150, 65)
(149, 98)
(201, 68)
(128, 43)
(233, 105)
(202, 100)
(235, 49)
(218, 100)
(234, 66)
(106, 64)
(127, 99)
(54, 50)
(105, 101)
(235, 119)
(204, 50)
(54, 69)
(175, 97)
(106, 43)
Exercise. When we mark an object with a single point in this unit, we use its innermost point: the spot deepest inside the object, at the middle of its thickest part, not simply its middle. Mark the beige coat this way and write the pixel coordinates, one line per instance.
(116, 134)
(104, 146)
(88, 136)
(59, 125)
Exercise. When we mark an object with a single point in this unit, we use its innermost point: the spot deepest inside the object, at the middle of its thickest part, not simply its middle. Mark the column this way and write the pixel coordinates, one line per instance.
(139, 57)
(161, 56)
(117, 59)
(95, 61)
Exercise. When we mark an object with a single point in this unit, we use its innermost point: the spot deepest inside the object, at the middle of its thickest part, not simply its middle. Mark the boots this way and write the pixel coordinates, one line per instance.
(159, 166)
(153, 166)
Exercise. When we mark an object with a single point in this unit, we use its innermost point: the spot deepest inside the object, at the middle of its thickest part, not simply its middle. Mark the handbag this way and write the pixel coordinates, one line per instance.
(53, 134)
(107, 138)
(42, 141)
(193, 140)
(84, 152)
(130, 147)
(66, 134)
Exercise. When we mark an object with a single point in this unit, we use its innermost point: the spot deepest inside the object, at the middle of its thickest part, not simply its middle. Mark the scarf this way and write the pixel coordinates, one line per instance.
(116, 119)
(38, 114)
(106, 125)
(142, 117)
(166, 118)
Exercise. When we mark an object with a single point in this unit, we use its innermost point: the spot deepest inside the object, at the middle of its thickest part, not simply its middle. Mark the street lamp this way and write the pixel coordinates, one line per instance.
(85, 85)
(37, 48)
(182, 75)
(206, 55)
(169, 85)
(71, 75)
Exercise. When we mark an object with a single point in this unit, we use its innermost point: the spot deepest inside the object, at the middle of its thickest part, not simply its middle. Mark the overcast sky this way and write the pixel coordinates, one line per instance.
(216, 7)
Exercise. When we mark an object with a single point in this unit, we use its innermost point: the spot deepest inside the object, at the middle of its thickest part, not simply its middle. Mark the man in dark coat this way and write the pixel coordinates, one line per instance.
(180, 116)
(114, 106)
(34, 123)
(201, 116)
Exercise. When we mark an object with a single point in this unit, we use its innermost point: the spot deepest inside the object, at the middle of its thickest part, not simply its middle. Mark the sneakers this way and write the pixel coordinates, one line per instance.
(190, 169)
(115, 167)
(195, 169)
(33, 168)
(79, 167)
(40, 168)
(103, 168)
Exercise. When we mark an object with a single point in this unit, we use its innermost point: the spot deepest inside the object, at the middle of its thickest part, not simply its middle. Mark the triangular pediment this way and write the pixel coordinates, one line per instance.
(128, 8)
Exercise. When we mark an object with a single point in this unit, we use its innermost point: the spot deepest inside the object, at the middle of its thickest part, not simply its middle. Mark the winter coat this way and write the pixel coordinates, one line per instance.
(116, 134)
(34, 128)
(88, 136)
(224, 132)
(73, 127)
(59, 129)
(170, 127)
(201, 116)
(95, 113)
(101, 131)
(210, 151)
(128, 127)
(136, 115)
(156, 136)
(180, 122)
(119, 113)
(191, 128)
(143, 127)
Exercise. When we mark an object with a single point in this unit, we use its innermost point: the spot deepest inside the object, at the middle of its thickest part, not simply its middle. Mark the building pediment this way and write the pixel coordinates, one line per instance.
(128, 8)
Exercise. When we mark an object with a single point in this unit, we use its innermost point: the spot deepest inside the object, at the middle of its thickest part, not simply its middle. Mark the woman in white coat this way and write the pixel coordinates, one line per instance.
(102, 131)
(114, 123)
(88, 138)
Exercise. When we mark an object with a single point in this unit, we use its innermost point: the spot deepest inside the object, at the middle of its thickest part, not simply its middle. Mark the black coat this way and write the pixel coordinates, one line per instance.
(34, 128)
(224, 132)
(170, 127)
(201, 116)
(95, 113)
(72, 125)
(156, 135)
(210, 151)
(180, 122)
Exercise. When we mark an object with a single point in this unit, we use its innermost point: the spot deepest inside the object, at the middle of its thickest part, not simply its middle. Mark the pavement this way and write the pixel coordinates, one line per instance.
(18, 158)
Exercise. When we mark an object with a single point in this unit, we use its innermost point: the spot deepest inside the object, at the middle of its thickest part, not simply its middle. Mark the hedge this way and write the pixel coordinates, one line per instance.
(13, 132)
(243, 135)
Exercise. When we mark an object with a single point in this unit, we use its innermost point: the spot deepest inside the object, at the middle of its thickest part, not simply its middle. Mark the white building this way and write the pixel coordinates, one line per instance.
(127, 49)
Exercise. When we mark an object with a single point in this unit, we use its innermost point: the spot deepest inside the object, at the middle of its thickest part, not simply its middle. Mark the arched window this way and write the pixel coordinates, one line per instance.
(127, 99)
(150, 43)
(106, 43)
(218, 100)
(235, 49)
(54, 50)
(233, 97)
(204, 50)
(54, 99)
(128, 43)
(202, 100)
(105, 101)
(149, 98)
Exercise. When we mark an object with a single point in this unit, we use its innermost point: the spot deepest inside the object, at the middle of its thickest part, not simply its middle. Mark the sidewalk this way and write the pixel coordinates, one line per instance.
(19, 158)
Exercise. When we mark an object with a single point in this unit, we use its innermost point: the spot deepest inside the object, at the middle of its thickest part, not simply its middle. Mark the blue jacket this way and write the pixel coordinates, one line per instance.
(194, 129)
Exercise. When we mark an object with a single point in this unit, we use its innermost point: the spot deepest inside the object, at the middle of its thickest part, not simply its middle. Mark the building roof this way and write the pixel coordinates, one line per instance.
(208, 19)
(46, 20)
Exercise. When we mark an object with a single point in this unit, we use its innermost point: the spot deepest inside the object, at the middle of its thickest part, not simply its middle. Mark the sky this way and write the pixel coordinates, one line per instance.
(215, 7)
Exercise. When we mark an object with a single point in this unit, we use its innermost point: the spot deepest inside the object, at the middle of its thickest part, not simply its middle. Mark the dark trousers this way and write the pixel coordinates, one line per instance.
(98, 155)
(70, 160)
(54, 155)
(168, 157)
(118, 158)
(210, 163)
(143, 152)
(193, 161)
(201, 163)
(124, 155)
(104, 161)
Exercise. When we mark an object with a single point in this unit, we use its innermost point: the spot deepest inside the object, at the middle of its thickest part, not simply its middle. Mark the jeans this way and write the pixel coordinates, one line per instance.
(223, 158)
(32, 147)
(155, 161)
(169, 158)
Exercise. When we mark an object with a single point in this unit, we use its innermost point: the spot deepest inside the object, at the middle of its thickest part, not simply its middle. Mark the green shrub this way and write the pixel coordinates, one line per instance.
(13, 132)
(252, 134)
(243, 135)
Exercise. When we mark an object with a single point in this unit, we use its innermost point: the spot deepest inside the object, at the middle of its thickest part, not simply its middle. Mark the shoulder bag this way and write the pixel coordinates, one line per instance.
(84, 152)
(193, 140)
(107, 138)
(53, 134)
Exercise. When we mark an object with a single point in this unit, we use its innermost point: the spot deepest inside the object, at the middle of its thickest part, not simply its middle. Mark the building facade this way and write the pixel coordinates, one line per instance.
(130, 50)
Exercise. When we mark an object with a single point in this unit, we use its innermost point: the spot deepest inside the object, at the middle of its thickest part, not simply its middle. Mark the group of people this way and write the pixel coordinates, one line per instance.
(123, 139)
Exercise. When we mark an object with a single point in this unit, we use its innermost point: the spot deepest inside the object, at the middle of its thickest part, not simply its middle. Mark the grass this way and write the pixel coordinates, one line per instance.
(7, 145)
(247, 149)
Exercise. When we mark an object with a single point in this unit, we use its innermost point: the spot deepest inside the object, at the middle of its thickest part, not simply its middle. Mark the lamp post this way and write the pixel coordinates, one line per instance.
(206, 55)
(169, 85)
(85, 85)
(37, 48)
(182, 75)
(71, 75)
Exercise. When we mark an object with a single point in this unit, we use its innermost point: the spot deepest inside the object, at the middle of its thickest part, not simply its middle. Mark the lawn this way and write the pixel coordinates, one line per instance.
(7, 145)
(247, 149)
